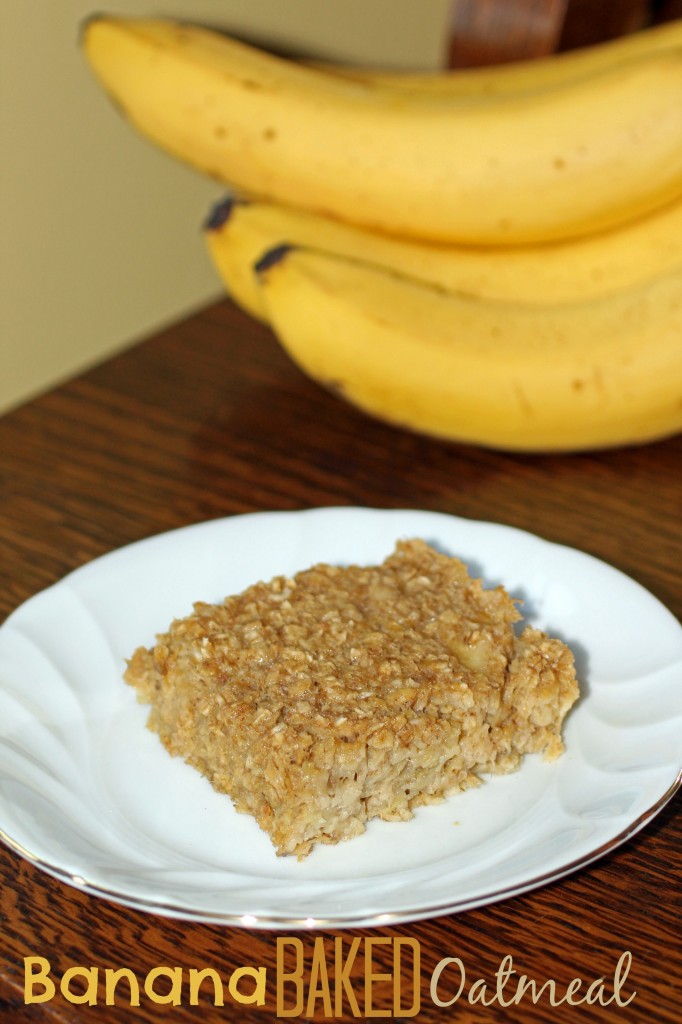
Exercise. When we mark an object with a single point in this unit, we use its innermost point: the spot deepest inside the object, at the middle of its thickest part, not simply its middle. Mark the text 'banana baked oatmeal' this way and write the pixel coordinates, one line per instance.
(345, 694)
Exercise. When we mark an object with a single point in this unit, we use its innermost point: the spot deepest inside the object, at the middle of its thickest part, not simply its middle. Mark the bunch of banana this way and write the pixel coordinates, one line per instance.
(489, 257)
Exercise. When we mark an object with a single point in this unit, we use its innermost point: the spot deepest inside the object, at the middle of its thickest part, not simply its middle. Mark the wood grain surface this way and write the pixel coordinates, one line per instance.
(210, 418)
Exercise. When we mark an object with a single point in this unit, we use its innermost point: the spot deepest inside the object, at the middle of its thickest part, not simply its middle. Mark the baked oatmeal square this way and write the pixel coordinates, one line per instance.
(342, 694)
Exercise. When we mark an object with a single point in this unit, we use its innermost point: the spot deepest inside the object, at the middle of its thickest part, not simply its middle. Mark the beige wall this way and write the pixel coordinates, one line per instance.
(100, 240)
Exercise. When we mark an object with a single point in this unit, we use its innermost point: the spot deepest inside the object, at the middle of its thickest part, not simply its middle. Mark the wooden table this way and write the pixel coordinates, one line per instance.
(210, 418)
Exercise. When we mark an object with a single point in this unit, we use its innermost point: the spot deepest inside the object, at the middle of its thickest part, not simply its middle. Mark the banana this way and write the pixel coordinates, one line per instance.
(593, 374)
(523, 75)
(238, 232)
(585, 156)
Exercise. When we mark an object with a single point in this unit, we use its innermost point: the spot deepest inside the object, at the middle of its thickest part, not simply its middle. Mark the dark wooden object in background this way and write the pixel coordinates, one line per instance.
(496, 31)
(667, 10)
(210, 418)
(488, 32)
(587, 23)
(499, 31)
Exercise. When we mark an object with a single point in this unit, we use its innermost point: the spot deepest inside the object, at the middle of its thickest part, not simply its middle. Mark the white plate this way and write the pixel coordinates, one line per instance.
(89, 795)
